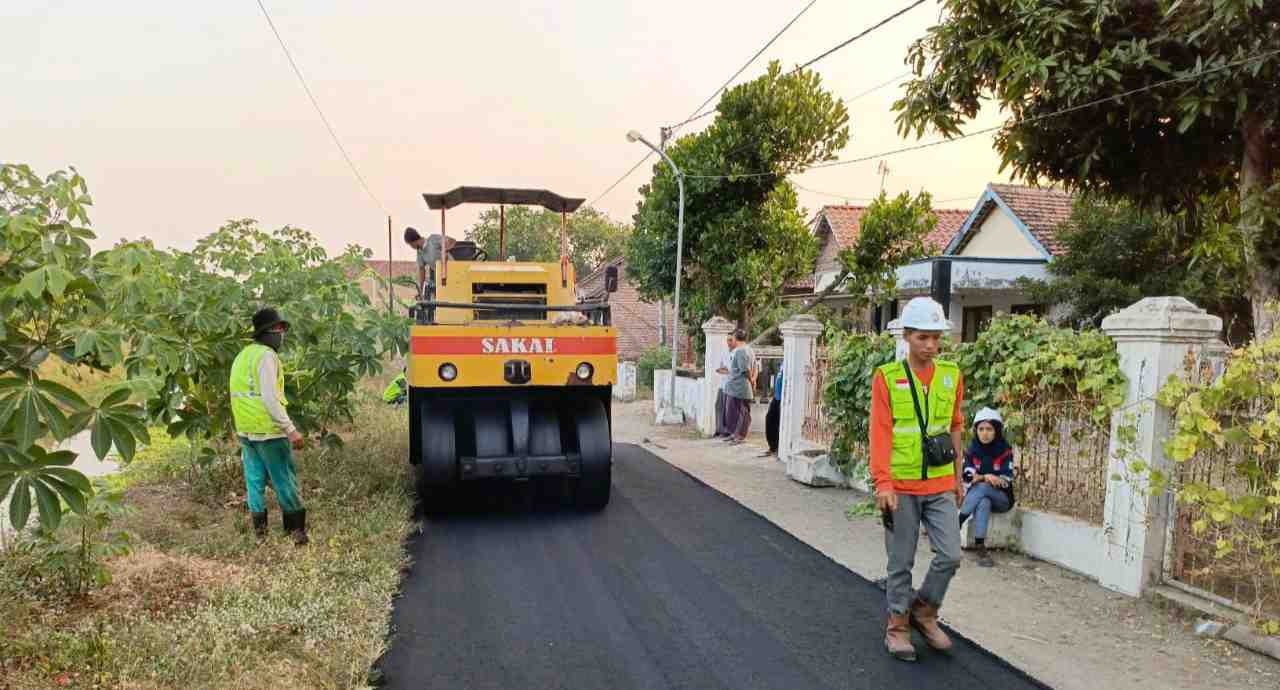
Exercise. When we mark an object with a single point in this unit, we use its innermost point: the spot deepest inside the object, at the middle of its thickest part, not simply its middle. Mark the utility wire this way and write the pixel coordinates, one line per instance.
(868, 92)
(332, 134)
(870, 198)
(876, 88)
(1036, 118)
(842, 45)
(882, 22)
(695, 115)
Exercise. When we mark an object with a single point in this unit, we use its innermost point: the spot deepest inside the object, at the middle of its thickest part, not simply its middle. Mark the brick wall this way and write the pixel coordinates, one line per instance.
(373, 289)
(635, 319)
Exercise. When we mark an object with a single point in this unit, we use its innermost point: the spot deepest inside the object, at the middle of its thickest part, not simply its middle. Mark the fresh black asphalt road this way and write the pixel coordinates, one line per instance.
(673, 585)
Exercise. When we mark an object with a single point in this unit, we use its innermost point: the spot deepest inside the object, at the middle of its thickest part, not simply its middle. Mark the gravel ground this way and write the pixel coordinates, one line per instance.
(1062, 628)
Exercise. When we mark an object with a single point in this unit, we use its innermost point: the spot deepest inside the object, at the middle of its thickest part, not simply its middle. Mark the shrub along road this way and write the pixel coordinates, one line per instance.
(674, 585)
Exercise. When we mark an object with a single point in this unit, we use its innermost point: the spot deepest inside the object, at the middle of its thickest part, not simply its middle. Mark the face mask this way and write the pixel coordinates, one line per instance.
(273, 340)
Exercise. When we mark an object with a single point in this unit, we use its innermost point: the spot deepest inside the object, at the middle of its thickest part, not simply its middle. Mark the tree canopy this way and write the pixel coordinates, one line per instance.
(1165, 103)
(533, 234)
(1116, 253)
(744, 235)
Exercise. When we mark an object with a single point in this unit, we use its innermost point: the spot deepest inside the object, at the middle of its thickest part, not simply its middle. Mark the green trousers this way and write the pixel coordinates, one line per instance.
(270, 460)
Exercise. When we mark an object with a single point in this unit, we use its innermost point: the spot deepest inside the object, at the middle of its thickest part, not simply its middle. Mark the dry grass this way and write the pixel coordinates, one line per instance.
(201, 604)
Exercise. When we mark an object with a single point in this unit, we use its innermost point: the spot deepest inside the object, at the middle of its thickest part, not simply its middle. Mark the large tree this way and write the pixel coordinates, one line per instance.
(534, 235)
(1084, 84)
(744, 235)
(1116, 253)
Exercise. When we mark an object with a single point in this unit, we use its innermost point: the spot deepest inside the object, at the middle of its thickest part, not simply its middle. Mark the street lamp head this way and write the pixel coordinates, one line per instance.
(633, 136)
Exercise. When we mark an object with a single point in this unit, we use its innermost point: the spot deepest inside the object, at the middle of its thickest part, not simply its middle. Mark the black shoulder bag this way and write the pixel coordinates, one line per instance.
(938, 450)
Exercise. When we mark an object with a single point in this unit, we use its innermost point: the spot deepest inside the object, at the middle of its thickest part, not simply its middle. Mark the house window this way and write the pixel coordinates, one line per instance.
(1030, 309)
(976, 320)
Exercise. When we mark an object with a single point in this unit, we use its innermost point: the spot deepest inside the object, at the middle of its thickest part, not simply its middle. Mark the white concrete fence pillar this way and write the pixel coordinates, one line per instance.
(1152, 338)
(895, 329)
(798, 336)
(715, 330)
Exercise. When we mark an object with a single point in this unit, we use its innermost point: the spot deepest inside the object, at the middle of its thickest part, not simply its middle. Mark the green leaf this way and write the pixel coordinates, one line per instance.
(72, 495)
(49, 505)
(100, 437)
(32, 284)
(116, 398)
(20, 505)
(65, 396)
(28, 420)
(86, 344)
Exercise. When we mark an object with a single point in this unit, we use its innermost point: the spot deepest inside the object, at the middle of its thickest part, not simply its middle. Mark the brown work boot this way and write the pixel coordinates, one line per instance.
(897, 637)
(925, 619)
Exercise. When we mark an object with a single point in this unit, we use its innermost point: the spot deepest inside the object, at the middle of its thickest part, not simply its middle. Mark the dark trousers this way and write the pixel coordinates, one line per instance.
(771, 421)
(722, 414)
(740, 424)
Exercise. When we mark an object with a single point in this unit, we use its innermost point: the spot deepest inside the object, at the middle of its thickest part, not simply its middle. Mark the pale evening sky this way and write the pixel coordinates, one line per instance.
(183, 115)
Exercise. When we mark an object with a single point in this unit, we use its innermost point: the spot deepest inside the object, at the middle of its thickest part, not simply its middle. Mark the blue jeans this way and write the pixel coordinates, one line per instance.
(980, 502)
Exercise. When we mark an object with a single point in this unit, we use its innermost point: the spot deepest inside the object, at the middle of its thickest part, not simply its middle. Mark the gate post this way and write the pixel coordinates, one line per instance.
(900, 343)
(1152, 338)
(798, 336)
(716, 329)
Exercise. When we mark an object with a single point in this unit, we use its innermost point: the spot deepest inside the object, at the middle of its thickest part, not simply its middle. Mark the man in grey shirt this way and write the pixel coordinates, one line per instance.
(429, 253)
(737, 388)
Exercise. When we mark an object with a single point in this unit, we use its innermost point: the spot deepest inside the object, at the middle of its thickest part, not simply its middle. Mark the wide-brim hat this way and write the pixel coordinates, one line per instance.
(265, 319)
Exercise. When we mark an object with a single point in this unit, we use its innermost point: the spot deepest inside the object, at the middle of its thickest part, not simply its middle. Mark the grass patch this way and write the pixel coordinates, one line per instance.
(200, 604)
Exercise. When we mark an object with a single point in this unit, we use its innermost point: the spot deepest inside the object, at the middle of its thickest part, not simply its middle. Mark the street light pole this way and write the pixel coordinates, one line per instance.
(634, 136)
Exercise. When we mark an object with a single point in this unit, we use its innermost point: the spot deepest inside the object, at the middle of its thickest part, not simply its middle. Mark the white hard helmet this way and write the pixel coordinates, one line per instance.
(924, 314)
(987, 414)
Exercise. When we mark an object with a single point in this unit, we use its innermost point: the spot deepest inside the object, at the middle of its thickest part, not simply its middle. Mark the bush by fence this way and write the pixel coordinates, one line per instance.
(1226, 449)
(654, 358)
(1055, 387)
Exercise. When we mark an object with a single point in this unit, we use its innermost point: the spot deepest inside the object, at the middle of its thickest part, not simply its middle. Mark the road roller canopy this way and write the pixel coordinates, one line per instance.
(503, 196)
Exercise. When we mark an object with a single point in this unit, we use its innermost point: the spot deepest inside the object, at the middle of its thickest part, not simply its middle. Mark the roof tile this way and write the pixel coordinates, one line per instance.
(1042, 210)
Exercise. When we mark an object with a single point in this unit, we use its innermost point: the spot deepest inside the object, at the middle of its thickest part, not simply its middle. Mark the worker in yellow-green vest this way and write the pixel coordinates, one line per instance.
(916, 424)
(266, 434)
(397, 391)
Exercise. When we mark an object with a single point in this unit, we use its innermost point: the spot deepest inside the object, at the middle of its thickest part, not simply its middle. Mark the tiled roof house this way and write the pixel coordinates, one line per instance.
(981, 253)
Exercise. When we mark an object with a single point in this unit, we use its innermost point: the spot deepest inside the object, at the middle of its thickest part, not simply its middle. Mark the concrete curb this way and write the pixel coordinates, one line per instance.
(1238, 630)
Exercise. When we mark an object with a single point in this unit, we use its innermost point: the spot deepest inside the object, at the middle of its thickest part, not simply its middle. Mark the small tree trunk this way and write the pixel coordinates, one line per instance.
(1256, 173)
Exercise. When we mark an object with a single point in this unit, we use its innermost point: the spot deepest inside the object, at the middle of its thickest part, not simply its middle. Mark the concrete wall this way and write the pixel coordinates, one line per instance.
(688, 393)
(625, 388)
(1070, 543)
(999, 236)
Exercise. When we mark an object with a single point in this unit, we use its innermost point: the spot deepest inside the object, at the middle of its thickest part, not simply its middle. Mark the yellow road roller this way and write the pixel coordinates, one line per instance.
(510, 376)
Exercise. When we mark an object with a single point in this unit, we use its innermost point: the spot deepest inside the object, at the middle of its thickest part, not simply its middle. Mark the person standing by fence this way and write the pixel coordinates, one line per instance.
(738, 388)
(722, 400)
(916, 427)
(773, 418)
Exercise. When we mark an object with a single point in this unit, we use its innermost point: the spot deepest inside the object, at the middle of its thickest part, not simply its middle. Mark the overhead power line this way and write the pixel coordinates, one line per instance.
(864, 32)
(695, 114)
(877, 87)
(1036, 118)
(332, 134)
(870, 198)
(841, 46)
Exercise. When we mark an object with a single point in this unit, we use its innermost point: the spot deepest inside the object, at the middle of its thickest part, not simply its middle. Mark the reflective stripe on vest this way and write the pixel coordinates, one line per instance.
(247, 409)
(907, 459)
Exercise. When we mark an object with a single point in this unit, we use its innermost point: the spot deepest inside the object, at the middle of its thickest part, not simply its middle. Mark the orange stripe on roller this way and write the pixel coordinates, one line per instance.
(470, 345)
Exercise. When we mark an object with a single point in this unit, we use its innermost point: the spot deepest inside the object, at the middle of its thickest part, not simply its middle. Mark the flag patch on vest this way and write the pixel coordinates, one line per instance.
(901, 383)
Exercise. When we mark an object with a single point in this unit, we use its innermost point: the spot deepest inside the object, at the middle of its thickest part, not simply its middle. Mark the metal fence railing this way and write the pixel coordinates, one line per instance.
(1061, 464)
(1228, 558)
